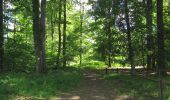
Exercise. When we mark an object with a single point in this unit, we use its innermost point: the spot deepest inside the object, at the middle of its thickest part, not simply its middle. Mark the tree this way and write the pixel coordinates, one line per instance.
(149, 33)
(109, 34)
(36, 27)
(81, 29)
(39, 34)
(128, 31)
(160, 38)
(1, 36)
(64, 35)
(59, 33)
(42, 66)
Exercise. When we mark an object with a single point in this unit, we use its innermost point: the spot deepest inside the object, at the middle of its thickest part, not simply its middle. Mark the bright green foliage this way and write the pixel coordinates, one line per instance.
(13, 85)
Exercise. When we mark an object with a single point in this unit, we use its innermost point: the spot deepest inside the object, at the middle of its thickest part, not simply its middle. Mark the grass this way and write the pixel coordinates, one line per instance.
(138, 88)
(13, 85)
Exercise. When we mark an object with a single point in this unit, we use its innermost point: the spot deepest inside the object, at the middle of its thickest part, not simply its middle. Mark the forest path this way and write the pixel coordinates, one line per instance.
(92, 87)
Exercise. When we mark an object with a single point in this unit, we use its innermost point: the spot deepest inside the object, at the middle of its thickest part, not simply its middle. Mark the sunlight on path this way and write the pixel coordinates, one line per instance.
(92, 87)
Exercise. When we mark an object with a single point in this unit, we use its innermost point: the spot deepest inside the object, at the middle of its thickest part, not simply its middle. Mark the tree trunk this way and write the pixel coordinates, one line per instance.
(64, 35)
(1, 36)
(149, 33)
(109, 37)
(160, 38)
(42, 62)
(59, 33)
(39, 35)
(143, 52)
(81, 30)
(14, 37)
(52, 31)
(130, 50)
(36, 27)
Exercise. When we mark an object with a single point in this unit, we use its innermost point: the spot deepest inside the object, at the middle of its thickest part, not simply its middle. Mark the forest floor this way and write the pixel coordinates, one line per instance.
(92, 87)
(80, 84)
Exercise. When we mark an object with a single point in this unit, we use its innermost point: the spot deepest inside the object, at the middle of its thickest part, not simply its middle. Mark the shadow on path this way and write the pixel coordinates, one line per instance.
(92, 87)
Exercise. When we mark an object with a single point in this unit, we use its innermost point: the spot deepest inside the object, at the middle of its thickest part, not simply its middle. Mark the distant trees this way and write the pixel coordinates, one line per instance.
(114, 31)
(132, 21)
(1, 36)
(104, 14)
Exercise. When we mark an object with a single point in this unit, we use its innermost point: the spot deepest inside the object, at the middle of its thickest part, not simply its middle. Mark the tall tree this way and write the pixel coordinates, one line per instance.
(59, 33)
(64, 35)
(39, 34)
(109, 35)
(128, 31)
(14, 37)
(36, 27)
(42, 64)
(149, 33)
(1, 35)
(52, 29)
(160, 38)
(81, 29)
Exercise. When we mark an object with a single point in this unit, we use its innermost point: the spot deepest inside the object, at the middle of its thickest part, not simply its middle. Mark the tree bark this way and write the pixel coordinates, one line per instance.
(64, 35)
(42, 62)
(36, 27)
(14, 37)
(149, 33)
(81, 30)
(52, 31)
(39, 34)
(130, 50)
(59, 33)
(160, 39)
(109, 37)
(1, 36)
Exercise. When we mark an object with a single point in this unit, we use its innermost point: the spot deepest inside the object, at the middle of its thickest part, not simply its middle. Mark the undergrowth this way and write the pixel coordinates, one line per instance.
(34, 85)
(136, 87)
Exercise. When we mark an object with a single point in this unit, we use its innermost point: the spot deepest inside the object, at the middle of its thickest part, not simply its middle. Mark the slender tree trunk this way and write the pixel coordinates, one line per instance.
(110, 46)
(81, 30)
(64, 35)
(42, 63)
(149, 33)
(143, 55)
(109, 37)
(36, 27)
(59, 33)
(1, 36)
(130, 50)
(160, 38)
(52, 31)
(7, 37)
(14, 37)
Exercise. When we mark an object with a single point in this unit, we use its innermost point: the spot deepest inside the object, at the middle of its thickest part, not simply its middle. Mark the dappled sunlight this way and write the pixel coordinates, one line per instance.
(66, 98)
(27, 86)
(84, 49)
(124, 97)
(28, 98)
(133, 87)
(91, 88)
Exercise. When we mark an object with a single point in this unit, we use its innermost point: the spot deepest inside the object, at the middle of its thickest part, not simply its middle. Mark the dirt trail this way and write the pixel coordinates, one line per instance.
(92, 87)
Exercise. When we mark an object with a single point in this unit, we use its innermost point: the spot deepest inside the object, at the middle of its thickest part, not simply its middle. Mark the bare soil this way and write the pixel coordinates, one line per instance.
(92, 87)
